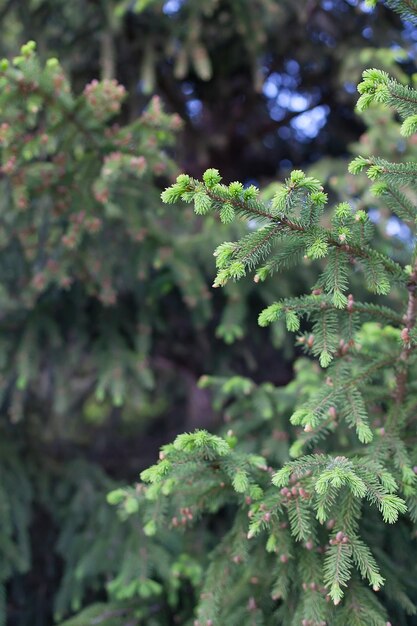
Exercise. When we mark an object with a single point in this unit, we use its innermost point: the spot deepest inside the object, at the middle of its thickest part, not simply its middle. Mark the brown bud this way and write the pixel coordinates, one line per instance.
(332, 412)
(405, 335)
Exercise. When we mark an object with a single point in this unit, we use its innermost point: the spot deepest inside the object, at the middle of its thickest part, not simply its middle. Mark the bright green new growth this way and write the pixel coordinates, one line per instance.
(290, 227)
(313, 515)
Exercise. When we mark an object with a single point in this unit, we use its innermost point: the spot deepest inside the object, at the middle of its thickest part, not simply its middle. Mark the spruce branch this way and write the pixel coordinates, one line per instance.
(325, 489)
(19, 81)
(406, 8)
(210, 195)
(398, 202)
(306, 305)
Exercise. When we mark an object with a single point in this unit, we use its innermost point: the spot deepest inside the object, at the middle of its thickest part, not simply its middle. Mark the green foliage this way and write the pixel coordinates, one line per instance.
(93, 268)
(15, 514)
(94, 272)
(95, 276)
(406, 8)
(173, 48)
(294, 216)
(321, 526)
(65, 178)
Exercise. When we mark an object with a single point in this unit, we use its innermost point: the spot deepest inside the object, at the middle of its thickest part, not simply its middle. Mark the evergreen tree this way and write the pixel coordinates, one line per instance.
(325, 536)
(189, 52)
(95, 276)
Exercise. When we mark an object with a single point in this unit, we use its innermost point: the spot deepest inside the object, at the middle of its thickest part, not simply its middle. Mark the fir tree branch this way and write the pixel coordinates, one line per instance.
(252, 252)
(373, 311)
(283, 221)
(400, 204)
(67, 113)
(243, 206)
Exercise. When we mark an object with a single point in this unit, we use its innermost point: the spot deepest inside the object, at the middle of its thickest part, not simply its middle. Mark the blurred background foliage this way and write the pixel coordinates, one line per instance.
(108, 319)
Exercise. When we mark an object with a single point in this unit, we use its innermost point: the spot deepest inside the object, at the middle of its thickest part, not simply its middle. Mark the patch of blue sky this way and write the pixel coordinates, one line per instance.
(374, 215)
(361, 4)
(171, 7)
(309, 123)
(275, 81)
(283, 98)
(394, 227)
(367, 32)
(410, 37)
(194, 108)
(293, 101)
(328, 5)
(292, 67)
(397, 228)
(349, 87)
